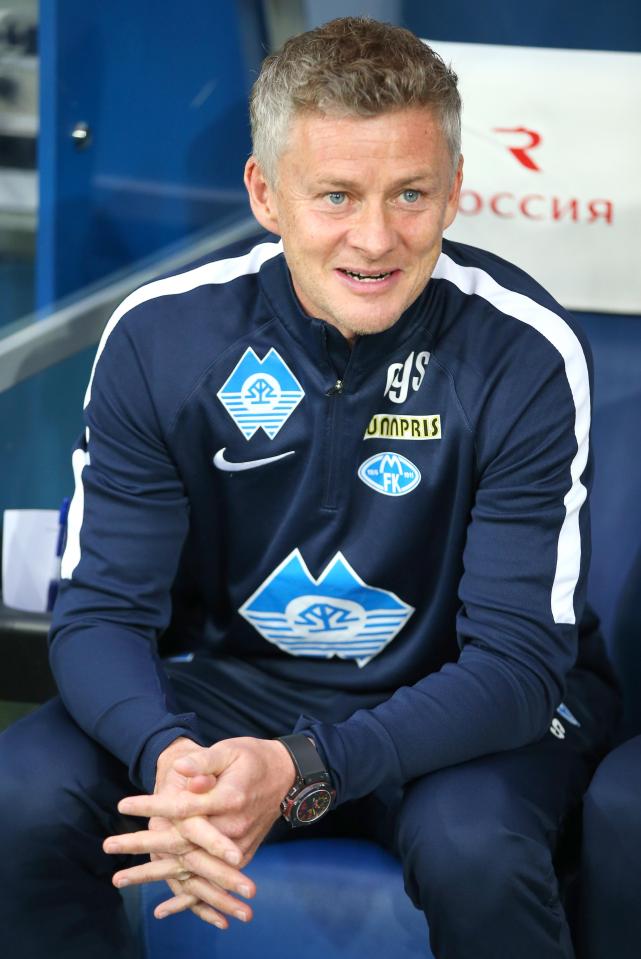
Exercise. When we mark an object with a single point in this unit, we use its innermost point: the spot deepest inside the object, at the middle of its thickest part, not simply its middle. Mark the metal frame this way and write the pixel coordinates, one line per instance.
(37, 344)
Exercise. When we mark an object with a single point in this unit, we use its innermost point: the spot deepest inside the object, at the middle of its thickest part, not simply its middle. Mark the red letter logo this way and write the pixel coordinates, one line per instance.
(521, 153)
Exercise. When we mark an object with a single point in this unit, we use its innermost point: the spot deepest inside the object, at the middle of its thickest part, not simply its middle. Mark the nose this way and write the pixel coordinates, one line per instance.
(372, 232)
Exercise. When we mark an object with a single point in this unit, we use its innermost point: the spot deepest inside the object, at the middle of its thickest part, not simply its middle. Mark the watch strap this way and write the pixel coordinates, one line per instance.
(309, 765)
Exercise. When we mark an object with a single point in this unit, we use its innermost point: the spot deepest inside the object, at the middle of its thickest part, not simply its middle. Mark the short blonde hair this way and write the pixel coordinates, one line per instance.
(353, 66)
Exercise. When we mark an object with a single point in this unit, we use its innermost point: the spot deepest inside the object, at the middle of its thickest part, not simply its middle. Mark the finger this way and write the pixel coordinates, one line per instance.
(170, 868)
(197, 764)
(175, 905)
(200, 832)
(207, 914)
(156, 822)
(200, 783)
(170, 907)
(202, 865)
(183, 900)
(212, 761)
(167, 841)
(247, 842)
(177, 889)
(176, 806)
(222, 901)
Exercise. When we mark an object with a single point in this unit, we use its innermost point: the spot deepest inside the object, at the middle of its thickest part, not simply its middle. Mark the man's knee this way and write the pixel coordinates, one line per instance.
(457, 848)
(30, 794)
(47, 768)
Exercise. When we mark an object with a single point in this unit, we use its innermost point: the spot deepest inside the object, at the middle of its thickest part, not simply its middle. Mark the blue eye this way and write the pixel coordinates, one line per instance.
(336, 198)
(411, 196)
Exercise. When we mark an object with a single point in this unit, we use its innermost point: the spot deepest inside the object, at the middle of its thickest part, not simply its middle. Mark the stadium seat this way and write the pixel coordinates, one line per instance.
(322, 898)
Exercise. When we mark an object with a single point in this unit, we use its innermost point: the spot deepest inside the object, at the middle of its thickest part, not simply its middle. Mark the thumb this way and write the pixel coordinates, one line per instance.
(201, 763)
(200, 783)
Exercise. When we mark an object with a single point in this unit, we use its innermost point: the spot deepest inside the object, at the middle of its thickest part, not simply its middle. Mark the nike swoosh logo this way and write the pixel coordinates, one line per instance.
(222, 464)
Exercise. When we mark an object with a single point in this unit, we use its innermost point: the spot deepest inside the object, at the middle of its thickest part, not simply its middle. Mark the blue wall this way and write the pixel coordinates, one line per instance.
(163, 89)
(573, 24)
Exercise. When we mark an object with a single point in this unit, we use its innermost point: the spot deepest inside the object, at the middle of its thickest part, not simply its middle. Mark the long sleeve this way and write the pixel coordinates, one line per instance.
(499, 518)
(127, 524)
(521, 593)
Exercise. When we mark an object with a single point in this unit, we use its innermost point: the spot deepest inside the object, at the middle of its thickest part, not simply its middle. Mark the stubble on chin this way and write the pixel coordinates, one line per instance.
(353, 332)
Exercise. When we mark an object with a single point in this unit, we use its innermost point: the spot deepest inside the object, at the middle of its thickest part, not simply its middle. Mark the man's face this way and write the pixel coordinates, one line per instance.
(361, 205)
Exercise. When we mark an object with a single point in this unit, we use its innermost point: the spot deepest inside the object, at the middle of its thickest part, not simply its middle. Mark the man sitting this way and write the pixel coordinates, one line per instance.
(362, 452)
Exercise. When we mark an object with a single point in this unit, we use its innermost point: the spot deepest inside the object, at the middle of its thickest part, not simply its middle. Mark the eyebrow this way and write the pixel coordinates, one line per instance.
(341, 184)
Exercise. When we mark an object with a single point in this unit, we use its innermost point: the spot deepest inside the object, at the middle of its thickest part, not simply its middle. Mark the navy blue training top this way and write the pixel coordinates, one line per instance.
(408, 519)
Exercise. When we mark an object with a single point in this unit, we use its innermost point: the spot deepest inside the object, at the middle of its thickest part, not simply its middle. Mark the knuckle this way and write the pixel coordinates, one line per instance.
(189, 859)
(179, 846)
(235, 827)
(235, 799)
(192, 838)
(229, 830)
(183, 806)
(185, 831)
(242, 824)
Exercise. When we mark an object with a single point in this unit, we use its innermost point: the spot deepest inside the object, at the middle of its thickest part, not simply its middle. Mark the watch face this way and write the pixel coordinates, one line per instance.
(314, 804)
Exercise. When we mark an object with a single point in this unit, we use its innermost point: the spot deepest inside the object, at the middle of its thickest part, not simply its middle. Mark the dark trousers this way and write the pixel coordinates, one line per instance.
(477, 841)
(611, 861)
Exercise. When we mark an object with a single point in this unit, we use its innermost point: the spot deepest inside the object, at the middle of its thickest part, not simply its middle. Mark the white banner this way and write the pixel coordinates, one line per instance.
(552, 175)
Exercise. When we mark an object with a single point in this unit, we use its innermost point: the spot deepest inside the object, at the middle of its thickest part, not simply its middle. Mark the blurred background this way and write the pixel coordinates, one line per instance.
(124, 131)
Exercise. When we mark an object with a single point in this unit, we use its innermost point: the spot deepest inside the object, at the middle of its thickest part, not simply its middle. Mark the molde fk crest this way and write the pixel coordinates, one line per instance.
(390, 473)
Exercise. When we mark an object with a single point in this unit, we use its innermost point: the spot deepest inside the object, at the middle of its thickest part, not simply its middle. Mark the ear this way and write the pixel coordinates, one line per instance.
(453, 199)
(262, 198)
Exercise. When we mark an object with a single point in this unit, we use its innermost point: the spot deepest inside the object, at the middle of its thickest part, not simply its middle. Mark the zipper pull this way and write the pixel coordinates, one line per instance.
(335, 389)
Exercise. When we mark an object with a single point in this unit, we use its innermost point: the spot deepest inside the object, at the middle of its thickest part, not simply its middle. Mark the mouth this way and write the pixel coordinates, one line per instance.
(367, 277)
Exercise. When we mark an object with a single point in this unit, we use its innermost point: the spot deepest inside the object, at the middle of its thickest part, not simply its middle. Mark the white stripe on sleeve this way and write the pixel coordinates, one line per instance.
(553, 327)
(71, 555)
(219, 271)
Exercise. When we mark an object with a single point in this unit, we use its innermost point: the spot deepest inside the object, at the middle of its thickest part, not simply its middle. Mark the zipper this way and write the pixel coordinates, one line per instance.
(333, 437)
(334, 394)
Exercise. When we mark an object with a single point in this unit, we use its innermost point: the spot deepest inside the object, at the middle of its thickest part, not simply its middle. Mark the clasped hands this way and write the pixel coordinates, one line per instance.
(210, 811)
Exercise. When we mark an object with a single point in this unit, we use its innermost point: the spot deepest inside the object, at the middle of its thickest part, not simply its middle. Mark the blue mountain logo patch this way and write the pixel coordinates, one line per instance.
(260, 394)
(335, 615)
(390, 474)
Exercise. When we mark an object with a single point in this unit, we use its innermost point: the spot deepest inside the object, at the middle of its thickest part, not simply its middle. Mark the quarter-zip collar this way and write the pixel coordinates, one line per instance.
(311, 333)
(338, 350)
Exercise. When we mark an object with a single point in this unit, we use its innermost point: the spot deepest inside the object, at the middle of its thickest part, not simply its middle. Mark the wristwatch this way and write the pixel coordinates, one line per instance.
(312, 794)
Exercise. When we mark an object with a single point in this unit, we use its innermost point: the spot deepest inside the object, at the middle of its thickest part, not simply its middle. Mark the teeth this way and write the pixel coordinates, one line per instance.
(367, 278)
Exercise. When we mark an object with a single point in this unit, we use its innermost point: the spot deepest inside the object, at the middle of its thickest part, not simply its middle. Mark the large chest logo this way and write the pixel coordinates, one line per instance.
(260, 394)
(335, 615)
(400, 376)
